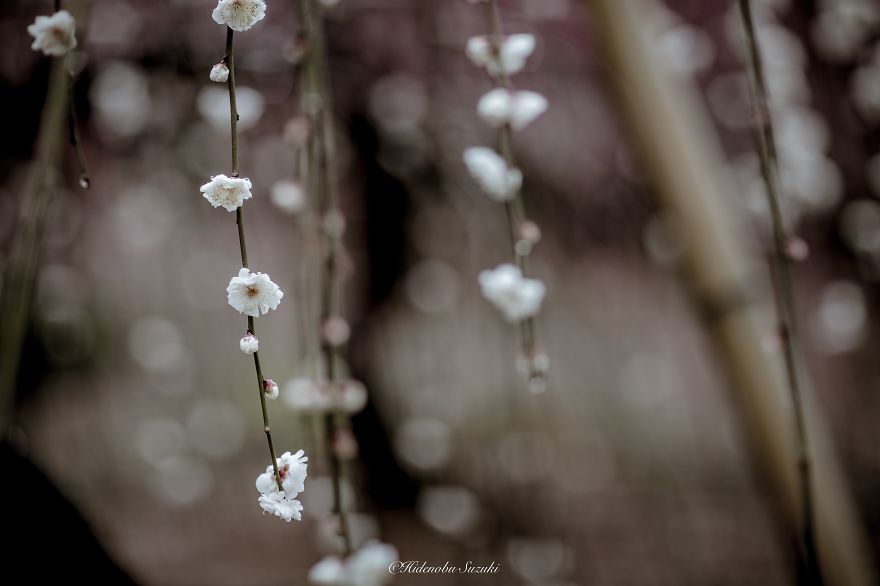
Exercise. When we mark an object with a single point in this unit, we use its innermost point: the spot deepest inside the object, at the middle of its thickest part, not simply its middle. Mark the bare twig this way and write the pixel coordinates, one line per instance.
(321, 155)
(780, 265)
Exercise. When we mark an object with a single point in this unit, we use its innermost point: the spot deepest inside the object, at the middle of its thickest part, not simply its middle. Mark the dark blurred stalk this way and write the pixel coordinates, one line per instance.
(514, 208)
(21, 269)
(229, 59)
(321, 169)
(809, 570)
(669, 127)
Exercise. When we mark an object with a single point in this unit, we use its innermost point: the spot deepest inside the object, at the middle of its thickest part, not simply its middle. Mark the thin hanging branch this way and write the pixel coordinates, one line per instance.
(784, 298)
(321, 154)
(514, 207)
(229, 59)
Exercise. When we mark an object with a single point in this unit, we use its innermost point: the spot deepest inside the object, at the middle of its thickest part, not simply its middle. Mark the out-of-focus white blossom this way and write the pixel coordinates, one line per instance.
(842, 26)
(281, 506)
(288, 196)
(253, 294)
(310, 396)
(305, 395)
(54, 35)
(330, 571)
(336, 331)
(270, 389)
(517, 297)
(213, 104)
(239, 15)
(866, 91)
(508, 59)
(249, 344)
(368, 566)
(502, 106)
(490, 170)
(229, 192)
(219, 73)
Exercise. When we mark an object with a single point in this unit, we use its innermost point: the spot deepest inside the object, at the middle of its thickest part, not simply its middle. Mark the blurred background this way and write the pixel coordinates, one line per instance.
(632, 469)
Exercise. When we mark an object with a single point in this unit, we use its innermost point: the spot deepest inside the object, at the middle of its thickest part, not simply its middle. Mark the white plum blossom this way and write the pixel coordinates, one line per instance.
(306, 395)
(490, 170)
(219, 73)
(239, 15)
(229, 192)
(509, 59)
(253, 294)
(270, 389)
(368, 566)
(289, 196)
(502, 106)
(249, 344)
(516, 297)
(280, 505)
(292, 468)
(54, 35)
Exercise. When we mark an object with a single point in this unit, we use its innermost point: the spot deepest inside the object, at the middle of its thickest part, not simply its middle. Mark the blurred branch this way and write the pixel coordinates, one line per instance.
(514, 208)
(782, 286)
(321, 165)
(669, 128)
(20, 273)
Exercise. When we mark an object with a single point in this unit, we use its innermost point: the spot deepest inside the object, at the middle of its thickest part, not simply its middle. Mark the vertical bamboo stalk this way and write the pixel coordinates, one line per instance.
(669, 129)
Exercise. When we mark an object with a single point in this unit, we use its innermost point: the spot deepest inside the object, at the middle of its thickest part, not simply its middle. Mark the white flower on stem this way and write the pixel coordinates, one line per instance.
(281, 506)
(270, 389)
(369, 564)
(229, 192)
(253, 294)
(490, 170)
(292, 469)
(502, 106)
(517, 297)
(508, 59)
(249, 344)
(306, 396)
(54, 35)
(219, 73)
(239, 15)
(330, 571)
(289, 196)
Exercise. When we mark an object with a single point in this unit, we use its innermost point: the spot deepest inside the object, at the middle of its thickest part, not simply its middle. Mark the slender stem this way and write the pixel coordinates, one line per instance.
(321, 165)
(239, 220)
(783, 290)
(514, 208)
(84, 179)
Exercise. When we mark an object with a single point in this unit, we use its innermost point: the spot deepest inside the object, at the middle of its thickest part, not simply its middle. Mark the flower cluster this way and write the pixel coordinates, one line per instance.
(503, 108)
(368, 566)
(281, 502)
(54, 35)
